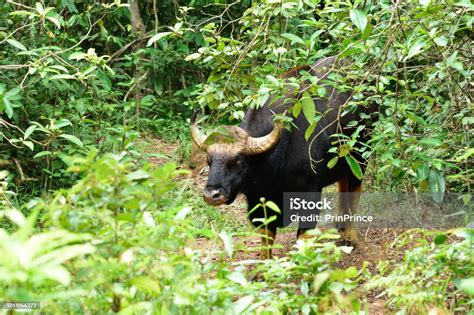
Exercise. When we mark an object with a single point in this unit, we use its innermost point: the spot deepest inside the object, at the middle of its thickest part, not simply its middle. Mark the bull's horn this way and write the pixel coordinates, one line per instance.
(198, 137)
(265, 143)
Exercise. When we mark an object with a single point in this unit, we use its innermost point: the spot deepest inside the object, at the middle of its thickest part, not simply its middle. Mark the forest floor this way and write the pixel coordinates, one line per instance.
(373, 247)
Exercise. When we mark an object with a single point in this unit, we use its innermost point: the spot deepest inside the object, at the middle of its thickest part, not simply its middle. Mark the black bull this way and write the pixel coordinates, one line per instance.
(266, 160)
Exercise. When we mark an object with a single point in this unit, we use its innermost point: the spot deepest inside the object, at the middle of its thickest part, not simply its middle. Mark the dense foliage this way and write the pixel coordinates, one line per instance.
(87, 226)
(413, 60)
(69, 83)
(412, 286)
(121, 240)
(142, 261)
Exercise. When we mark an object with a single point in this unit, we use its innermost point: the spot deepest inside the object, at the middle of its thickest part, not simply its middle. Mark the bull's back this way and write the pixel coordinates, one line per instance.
(299, 163)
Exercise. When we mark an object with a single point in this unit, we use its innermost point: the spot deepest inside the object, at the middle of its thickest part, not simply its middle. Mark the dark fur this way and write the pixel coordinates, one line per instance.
(286, 167)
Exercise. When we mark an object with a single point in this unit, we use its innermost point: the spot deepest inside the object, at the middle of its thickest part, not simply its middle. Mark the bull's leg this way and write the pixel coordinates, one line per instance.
(268, 239)
(349, 189)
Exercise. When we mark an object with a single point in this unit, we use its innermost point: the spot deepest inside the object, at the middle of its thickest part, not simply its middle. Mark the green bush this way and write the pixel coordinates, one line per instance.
(437, 274)
(119, 240)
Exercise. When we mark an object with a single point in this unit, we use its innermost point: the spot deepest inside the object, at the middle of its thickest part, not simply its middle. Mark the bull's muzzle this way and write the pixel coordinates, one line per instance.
(214, 196)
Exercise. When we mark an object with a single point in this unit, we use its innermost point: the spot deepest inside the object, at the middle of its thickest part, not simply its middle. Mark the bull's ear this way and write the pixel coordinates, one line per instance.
(198, 137)
(265, 143)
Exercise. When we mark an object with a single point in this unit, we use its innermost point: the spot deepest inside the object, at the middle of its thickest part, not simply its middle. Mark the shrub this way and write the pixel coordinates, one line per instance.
(437, 274)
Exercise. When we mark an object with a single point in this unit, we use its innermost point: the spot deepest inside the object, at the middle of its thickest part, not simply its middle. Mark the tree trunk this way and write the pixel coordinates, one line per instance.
(139, 30)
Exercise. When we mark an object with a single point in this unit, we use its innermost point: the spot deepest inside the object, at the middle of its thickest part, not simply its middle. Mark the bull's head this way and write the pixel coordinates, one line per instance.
(227, 157)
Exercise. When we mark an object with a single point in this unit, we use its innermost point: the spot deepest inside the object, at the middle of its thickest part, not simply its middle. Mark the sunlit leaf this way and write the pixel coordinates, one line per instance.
(29, 144)
(63, 76)
(228, 244)
(72, 139)
(157, 37)
(16, 44)
(29, 131)
(359, 19)
(146, 284)
(441, 41)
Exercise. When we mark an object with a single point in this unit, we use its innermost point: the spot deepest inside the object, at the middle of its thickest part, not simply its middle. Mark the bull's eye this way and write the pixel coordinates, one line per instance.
(234, 163)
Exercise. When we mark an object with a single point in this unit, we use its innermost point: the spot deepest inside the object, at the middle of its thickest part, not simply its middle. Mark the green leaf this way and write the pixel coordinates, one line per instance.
(343, 150)
(310, 130)
(319, 280)
(297, 109)
(228, 244)
(466, 285)
(274, 80)
(437, 186)
(237, 277)
(423, 172)
(333, 162)
(42, 153)
(88, 70)
(62, 123)
(39, 8)
(441, 41)
(336, 287)
(157, 37)
(367, 32)
(270, 204)
(440, 239)
(293, 38)
(322, 91)
(21, 12)
(193, 57)
(416, 48)
(355, 167)
(29, 131)
(72, 139)
(54, 20)
(7, 107)
(63, 76)
(4, 174)
(309, 110)
(138, 175)
(183, 213)
(432, 142)
(242, 304)
(16, 44)
(29, 144)
(146, 284)
(359, 19)
(351, 272)
(78, 55)
(15, 216)
(465, 3)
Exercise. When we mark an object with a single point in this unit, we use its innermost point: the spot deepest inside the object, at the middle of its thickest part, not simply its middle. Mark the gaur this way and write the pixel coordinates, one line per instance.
(265, 159)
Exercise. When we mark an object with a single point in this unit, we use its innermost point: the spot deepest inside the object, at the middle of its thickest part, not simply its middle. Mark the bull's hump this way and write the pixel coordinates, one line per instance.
(258, 122)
